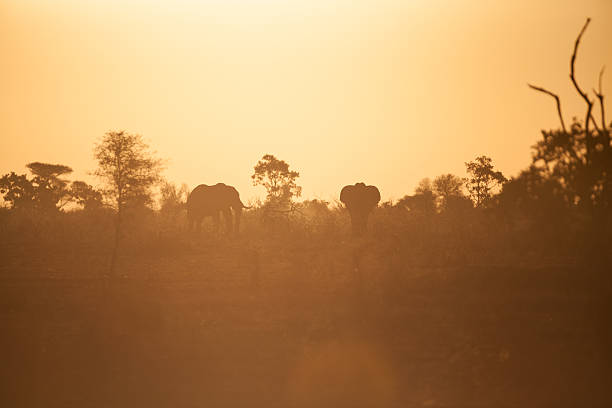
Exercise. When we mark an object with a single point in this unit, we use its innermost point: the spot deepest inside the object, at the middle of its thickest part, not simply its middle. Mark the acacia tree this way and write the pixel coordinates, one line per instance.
(46, 191)
(277, 179)
(52, 192)
(483, 179)
(129, 171)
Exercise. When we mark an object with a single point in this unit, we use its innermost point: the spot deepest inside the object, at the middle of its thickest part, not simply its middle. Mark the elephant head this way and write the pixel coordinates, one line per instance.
(359, 200)
(212, 201)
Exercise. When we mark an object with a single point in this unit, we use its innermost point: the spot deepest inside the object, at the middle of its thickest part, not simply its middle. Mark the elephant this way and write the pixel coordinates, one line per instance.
(360, 200)
(207, 200)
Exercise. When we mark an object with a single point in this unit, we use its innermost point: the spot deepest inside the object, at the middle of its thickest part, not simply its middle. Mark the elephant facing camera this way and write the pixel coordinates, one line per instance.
(359, 200)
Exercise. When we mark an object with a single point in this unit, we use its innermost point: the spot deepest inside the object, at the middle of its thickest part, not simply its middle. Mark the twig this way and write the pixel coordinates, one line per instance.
(600, 96)
(573, 60)
(581, 92)
(537, 88)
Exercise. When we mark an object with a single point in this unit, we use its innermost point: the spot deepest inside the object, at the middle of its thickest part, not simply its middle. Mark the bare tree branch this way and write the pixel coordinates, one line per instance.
(537, 88)
(600, 96)
(581, 92)
(573, 62)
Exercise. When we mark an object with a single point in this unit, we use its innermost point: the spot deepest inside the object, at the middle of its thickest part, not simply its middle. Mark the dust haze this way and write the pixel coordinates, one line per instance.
(476, 288)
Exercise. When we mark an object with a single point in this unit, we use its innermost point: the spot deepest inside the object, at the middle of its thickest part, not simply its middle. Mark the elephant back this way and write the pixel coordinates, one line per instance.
(360, 195)
(207, 199)
(197, 194)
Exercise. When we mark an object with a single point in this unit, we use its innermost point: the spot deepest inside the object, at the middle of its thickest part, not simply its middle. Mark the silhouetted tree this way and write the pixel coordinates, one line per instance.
(579, 159)
(51, 191)
(129, 171)
(17, 190)
(278, 180)
(422, 202)
(483, 179)
(315, 211)
(533, 193)
(315, 206)
(173, 198)
(533, 205)
(85, 195)
(424, 187)
(446, 186)
(46, 191)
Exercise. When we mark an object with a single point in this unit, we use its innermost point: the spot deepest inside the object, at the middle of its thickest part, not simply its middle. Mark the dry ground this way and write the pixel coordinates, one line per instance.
(231, 324)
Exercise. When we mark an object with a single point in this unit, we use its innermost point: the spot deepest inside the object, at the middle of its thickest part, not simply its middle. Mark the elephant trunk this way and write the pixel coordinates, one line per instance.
(237, 216)
(359, 220)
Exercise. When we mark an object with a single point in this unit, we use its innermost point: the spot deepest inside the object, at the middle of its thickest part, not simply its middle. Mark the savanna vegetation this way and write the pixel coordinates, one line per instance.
(485, 290)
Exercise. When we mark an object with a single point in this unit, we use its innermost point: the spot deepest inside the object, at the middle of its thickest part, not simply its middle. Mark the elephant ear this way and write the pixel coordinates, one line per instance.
(347, 194)
(235, 196)
(373, 195)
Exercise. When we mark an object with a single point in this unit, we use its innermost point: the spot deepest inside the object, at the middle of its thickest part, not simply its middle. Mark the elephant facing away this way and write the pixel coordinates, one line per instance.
(207, 201)
(360, 200)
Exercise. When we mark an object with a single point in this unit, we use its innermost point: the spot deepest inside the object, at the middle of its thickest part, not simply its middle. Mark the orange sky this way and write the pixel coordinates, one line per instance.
(381, 91)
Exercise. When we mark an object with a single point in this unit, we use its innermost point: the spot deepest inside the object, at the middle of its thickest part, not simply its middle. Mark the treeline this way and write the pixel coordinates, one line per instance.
(558, 207)
(543, 214)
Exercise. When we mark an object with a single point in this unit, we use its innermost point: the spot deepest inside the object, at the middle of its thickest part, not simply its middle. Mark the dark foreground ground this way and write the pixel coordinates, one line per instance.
(342, 325)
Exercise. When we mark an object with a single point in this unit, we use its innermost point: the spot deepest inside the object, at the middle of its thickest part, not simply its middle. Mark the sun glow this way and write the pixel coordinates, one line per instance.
(381, 92)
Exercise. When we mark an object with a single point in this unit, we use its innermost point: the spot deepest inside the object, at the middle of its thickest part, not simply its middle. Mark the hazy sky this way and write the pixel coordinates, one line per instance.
(381, 91)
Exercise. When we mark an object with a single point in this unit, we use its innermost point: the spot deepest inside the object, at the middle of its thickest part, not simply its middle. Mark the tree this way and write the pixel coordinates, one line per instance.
(534, 205)
(483, 179)
(45, 192)
(446, 186)
(129, 171)
(424, 187)
(418, 204)
(277, 179)
(534, 195)
(423, 201)
(579, 159)
(173, 198)
(315, 210)
(85, 195)
(51, 190)
(18, 191)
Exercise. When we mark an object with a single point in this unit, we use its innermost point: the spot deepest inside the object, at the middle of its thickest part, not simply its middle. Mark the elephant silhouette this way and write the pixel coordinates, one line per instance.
(359, 200)
(211, 201)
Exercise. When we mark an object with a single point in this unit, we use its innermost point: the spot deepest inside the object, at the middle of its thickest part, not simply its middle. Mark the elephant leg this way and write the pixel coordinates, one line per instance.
(195, 223)
(354, 224)
(363, 219)
(359, 222)
(227, 216)
(237, 217)
(361, 227)
(364, 224)
(216, 219)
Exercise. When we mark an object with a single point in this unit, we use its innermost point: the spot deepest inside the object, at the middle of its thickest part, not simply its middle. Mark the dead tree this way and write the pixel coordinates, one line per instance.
(581, 155)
